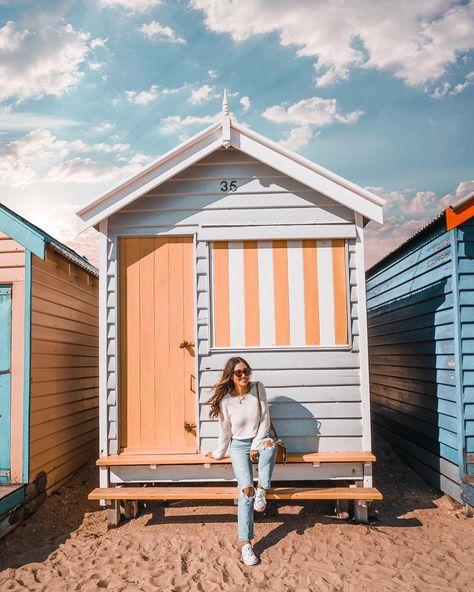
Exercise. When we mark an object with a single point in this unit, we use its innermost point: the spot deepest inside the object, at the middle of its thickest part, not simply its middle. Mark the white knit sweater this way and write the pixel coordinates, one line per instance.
(240, 418)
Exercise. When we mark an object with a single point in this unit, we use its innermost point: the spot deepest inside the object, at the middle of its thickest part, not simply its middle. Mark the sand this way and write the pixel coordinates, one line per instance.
(418, 540)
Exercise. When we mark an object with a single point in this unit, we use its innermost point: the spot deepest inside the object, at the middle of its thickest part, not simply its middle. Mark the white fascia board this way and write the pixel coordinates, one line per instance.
(154, 174)
(307, 172)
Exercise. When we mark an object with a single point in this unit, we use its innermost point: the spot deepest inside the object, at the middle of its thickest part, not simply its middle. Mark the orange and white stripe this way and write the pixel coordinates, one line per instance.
(279, 293)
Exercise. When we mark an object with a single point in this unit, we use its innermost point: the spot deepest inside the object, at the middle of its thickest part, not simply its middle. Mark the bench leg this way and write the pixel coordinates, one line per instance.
(130, 508)
(113, 513)
(361, 511)
(342, 509)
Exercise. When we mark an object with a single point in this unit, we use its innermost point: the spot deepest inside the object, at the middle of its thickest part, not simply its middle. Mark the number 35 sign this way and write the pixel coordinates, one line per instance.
(228, 186)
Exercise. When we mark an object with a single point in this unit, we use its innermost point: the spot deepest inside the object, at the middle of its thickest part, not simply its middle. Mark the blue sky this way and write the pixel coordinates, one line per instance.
(380, 92)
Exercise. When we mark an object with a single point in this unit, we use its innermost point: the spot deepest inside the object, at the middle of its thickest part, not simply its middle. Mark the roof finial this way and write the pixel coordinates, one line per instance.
(225, 104)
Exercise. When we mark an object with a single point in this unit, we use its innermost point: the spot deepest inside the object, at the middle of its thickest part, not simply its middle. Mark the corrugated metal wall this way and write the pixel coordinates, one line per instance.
(318, 407)
(412, 356)
(466, 302)
(12, 271)
(64, 368)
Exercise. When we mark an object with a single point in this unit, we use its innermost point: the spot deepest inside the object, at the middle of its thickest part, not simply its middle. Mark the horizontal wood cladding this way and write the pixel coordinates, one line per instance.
(12, 260)
(285, 360)
(64, 368)
(311, 443)
(262, 195)
(412, 361)
(438, 471)
(465, 245)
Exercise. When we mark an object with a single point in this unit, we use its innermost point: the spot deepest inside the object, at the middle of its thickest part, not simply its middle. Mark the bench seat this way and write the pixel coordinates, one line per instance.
(230, 493)
(193, 459)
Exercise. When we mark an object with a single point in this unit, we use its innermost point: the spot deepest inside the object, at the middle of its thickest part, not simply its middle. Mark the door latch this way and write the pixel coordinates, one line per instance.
(190, 427)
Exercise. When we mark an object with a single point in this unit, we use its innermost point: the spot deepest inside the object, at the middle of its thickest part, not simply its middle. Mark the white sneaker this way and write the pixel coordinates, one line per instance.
(260, 501)
(248, 556)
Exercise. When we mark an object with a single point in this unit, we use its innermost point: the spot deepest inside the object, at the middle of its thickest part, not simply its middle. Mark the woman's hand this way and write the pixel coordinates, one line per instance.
(254, 455)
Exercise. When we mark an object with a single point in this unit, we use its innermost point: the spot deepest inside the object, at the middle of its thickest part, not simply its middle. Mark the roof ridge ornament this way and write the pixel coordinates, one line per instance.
(225, 104)
(225, 121)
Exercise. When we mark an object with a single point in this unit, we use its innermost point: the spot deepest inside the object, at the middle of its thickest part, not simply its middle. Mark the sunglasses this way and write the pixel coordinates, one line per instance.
(245, 371)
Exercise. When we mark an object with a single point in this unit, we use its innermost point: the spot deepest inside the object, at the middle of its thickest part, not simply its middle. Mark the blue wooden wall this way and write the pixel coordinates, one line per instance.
(465, 236)
(412, 347)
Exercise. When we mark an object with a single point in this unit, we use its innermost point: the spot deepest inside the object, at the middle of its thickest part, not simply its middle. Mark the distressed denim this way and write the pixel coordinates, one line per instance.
(242, 465)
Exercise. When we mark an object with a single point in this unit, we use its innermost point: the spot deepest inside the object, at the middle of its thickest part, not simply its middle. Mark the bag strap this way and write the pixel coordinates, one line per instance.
(272, 427)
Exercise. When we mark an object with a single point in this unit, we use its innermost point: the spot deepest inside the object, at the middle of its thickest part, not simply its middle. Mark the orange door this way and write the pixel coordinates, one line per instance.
(157, 366)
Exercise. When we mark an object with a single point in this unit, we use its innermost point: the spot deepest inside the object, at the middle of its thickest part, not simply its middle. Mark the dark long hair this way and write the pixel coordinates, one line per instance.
(225, 384)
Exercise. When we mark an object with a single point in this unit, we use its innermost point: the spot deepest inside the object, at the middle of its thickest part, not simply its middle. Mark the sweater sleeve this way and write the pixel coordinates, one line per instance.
(225, 432)
(264, 425)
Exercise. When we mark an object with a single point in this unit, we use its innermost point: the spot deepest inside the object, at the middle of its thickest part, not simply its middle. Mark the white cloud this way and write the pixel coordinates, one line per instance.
(82, 170)
(314, 111)
(201, 95)
(152, 94)
(298, 138)
(332, 76)
(36, 155)
(25, 120)
(446, 89)
(131, 5)
(415, 41)
(175, 123)
(86, 170)
(159, 32)
(99, 42)
(245, 102)
(34, 64)
(105, 126)
(213, 73)
(144, 97)
(405, 213)
(95, 66)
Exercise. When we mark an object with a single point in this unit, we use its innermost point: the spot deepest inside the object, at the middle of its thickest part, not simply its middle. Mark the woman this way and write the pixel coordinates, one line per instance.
(244, 422)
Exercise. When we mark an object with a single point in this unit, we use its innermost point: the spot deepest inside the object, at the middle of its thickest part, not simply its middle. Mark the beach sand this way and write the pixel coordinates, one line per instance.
(419, 540)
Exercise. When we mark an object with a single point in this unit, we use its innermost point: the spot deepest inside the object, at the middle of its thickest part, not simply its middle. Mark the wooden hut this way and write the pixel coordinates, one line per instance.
(48, 365)
(228, 244)
(420, 301)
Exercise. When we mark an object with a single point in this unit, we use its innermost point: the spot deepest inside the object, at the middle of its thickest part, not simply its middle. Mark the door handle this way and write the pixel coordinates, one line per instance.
(186, 344)
(190, 427)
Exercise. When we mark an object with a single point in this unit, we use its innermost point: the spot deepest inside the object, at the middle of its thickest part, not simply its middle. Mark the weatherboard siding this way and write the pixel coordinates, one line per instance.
(263, 196)
(12, 271)
(412, 356)
(465, 246)
(315, 395)
(64, 368)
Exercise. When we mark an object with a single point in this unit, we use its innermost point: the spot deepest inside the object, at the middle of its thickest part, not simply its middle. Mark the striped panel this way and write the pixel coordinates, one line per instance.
(279, 293)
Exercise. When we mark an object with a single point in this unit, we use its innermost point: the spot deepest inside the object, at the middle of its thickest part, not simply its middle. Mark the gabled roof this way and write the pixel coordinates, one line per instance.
(227, 133)
(454, 215)
(460, 211)
(34, 239)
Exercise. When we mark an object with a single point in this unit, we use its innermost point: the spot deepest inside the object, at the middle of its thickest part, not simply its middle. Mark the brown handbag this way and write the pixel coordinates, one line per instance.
(281, 448)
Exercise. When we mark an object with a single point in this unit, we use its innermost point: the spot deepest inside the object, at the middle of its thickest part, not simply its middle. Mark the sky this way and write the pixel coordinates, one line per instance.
(378, 91)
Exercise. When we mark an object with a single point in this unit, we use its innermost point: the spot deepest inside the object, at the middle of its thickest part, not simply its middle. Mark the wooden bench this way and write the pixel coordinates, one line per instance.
(193, 459)
(114, 495)
(359, 493)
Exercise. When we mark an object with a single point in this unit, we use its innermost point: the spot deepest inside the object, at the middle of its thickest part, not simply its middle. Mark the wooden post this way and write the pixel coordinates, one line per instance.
(130, 509)
(361, 511)
(113, 513)
(342, 509)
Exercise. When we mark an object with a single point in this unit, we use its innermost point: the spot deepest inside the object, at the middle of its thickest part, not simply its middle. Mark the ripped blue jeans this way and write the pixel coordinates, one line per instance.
(242, 465)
